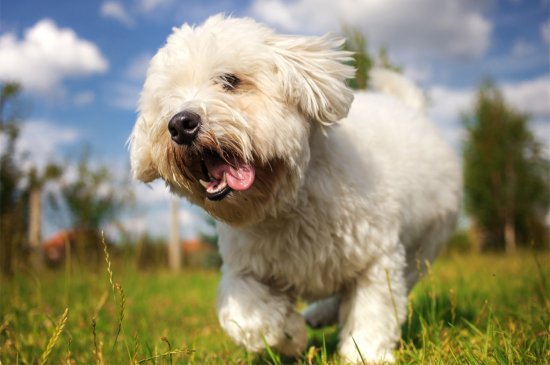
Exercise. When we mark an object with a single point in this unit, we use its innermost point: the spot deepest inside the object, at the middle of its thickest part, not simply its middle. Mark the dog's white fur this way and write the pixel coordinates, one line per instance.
(341, 214)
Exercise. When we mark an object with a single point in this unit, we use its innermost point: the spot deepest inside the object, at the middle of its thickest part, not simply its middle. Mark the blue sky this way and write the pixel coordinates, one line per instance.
(82, 63)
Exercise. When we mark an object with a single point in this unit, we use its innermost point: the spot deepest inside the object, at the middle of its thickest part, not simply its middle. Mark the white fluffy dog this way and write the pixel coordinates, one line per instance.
(316, 198)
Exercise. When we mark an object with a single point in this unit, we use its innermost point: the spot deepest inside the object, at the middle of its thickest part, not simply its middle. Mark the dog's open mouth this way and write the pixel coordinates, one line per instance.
(221, 177)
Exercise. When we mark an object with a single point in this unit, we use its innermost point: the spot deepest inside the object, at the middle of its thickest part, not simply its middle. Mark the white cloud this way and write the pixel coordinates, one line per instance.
(84, 98)
(116, 10)
(151, 5)
(438, 27)
(541, 129)
(447, 103)
(418, 74)
(153, 192)
(533, 97)
(522, 48)
(46, 56)
(530, 96)
(40, 140)
(153, 212)
(157, 222)
(445, 109)
(545, 32)
(139, 9)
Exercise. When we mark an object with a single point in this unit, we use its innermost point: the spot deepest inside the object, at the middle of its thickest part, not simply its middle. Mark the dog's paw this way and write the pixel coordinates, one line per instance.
(286, 334)
(355, 353)
(295, 336)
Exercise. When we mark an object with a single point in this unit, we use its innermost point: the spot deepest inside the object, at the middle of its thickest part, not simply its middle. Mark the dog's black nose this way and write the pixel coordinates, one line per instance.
(184, 127)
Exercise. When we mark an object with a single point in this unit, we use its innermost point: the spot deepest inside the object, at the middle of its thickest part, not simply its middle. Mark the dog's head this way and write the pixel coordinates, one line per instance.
(226, 112)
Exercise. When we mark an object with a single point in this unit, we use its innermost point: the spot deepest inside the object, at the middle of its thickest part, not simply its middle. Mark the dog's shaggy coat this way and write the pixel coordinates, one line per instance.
(317, 198)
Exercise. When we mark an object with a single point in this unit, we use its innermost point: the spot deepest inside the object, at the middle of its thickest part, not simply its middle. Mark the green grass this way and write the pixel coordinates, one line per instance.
(468, 310)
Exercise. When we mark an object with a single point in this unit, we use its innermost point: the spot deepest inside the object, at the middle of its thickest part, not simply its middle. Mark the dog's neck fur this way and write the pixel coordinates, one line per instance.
(306, 226)
(306, 181)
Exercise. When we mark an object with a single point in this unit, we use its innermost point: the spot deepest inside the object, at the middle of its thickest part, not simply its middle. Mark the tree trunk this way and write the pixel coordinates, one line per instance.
(7, 243)
(174, 251)
(476, 238)
(509, 236)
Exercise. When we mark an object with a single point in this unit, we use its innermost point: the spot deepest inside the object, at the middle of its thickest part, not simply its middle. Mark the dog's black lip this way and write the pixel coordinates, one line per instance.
(219, 195)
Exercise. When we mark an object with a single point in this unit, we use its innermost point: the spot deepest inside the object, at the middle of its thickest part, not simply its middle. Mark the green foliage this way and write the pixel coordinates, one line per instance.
(207, 237)
(10, 174)
(151, 253)
(52, 171)
(18, 188)
(506, 177)
(11, 203)
(93, 199)
(467, 309)
(459, 242)
(10, 111)
(363, 61)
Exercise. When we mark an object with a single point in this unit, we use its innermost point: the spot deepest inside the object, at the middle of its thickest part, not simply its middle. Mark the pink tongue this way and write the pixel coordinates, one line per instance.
(240, 177)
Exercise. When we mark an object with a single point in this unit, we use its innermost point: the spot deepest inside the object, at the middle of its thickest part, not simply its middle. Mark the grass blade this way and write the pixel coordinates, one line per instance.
(55, 336)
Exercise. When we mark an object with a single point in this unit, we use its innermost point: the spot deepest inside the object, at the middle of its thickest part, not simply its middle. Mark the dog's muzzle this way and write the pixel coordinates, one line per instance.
(184, 127)
(221, 173)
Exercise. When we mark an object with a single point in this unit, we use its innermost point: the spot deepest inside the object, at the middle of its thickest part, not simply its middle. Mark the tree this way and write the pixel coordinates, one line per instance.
(210, 237)
(92, 199)
(10, 174)
(20, 190)
(506, 177)
(11, 204)
(363, 61)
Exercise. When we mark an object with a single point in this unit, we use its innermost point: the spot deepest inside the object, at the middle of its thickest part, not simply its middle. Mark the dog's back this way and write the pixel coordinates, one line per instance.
(395, 147)
(395, 84)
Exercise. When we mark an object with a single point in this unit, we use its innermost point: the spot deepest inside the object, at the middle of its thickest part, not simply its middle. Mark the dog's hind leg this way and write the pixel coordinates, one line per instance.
(323, 312)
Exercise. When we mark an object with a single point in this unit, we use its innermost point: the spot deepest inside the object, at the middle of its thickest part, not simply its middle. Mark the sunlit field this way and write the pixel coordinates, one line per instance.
(468, 309)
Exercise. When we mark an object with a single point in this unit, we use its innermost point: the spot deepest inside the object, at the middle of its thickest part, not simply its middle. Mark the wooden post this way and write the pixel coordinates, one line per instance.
(35, 217)
(174, 249)
(35, 226)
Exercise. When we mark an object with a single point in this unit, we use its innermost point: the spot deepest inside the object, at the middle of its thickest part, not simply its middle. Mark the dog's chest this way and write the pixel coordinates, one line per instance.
(297, 256)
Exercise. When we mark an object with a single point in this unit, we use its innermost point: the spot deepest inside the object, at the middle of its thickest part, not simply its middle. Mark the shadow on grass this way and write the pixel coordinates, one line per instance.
(325, 341)
(433, 314)
(430, 316)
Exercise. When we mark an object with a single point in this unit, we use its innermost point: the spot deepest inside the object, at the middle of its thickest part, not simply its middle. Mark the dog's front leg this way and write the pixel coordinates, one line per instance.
(372, 311)
(255, 316)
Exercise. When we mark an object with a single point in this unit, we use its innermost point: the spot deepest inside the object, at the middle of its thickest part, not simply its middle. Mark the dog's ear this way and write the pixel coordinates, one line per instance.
(313, 75)
(141, 160)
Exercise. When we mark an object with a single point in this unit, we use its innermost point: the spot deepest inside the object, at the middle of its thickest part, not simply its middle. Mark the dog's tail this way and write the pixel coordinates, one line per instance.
(397, 85)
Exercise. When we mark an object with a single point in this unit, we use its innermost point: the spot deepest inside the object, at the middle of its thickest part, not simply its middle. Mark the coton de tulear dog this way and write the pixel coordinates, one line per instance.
(318, 198)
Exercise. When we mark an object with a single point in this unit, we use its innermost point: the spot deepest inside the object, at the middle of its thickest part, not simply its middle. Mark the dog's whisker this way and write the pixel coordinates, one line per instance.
(179, 162)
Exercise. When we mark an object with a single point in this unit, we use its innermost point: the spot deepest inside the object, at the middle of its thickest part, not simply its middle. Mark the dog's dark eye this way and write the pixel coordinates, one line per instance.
(230, 82)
